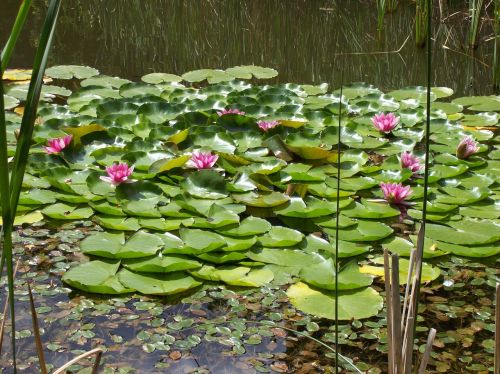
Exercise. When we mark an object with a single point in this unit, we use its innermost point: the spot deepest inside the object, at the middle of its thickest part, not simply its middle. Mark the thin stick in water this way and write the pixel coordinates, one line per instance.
(388, 303)
(396, 311)
(36, 332)
(497, 331)
(427, 352)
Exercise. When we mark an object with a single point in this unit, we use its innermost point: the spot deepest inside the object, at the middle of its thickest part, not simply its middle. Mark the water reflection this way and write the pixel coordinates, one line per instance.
(306, 41)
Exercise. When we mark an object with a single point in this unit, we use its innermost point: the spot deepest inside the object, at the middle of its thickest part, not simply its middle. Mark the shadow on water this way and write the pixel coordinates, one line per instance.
(306, 41)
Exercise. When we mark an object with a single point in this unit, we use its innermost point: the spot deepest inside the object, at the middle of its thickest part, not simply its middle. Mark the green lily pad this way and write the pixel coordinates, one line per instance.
(96, 276)
(156, 284)
(357, 304)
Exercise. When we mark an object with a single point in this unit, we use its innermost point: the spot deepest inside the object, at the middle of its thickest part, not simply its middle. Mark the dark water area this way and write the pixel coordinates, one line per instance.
(307, 41)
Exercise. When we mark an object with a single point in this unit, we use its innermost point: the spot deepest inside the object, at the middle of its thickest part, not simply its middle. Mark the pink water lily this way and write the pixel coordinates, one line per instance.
(202, 160)
(55, 146)
(230, 111)
(118, 174)
(385, 122)
(409, 161)
(467, 147)
(266, 126)
(396, 193)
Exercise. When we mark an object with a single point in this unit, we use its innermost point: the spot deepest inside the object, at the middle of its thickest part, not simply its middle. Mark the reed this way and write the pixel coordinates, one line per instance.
(496, 48)
(421, 16)
(11, 182)
(475, 7)
(392, 5)
(381, 10)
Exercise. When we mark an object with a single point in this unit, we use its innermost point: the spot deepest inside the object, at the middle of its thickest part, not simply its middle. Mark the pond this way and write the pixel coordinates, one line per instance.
(306, 41)
(214, 253)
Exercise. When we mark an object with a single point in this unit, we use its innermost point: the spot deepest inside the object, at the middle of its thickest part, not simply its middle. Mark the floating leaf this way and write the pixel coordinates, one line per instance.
(357, 304)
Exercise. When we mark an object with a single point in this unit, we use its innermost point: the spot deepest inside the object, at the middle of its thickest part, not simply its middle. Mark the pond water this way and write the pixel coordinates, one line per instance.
(306, 41)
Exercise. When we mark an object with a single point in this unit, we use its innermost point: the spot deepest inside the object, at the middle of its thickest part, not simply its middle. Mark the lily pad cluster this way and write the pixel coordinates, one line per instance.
(266, 211)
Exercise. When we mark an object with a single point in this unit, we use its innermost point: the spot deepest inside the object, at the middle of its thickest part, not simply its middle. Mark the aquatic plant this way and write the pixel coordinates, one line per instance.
(173, 230)
(118, 173)
(466, 148)
(55, 146)
(202, 160)
(381, 9)
(230, 111)
(395, 193)
(475, 7)
(10, 185)
(496, 45)
(411, 162)
(421, 24)
(267, 125)
(385, 122)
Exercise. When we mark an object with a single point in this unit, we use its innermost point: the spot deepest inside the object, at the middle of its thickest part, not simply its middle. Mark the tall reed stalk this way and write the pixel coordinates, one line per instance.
(381, 10)
(392, 5)
(11, 183)
(496, 50)
(421, 16)
(475, 7)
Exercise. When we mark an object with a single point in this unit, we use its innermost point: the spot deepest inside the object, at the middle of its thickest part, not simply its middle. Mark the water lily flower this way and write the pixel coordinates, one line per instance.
(230, 111)
(409, 161)
(396, 193)
(202, 160)
(118, 174)
(467, 147)
(55, 146)
(266, 126)
(385, 122)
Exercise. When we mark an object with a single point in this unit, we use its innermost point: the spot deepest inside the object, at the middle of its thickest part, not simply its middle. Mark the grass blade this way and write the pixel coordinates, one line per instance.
(14, 35)
(30, 110)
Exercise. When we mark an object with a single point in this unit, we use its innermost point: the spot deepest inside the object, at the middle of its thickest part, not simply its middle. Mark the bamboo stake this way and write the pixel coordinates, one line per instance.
(36, 332)
(388, 302)
(407, 288)
(396, 312)
(96, 351)
(6, 306)
(427, 352)
(497, 331)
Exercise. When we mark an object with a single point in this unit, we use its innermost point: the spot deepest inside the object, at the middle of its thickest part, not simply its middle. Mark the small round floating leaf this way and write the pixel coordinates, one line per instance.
(138, 89)
(248, 227)
(429, 272)
(246, 72)
(103, 244)
(200, 241)
(284, 257)
(322, 275)
(96, 276)
(357, 304)
(162, 264)
(10, 102)
(71, 71)
(118, 223)
(104, 81)
(155, 284)
(155, 78)
(465, 232)
(67, 212)
(280, 236)
(205, 184)
(262, 200)
(364, 231)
